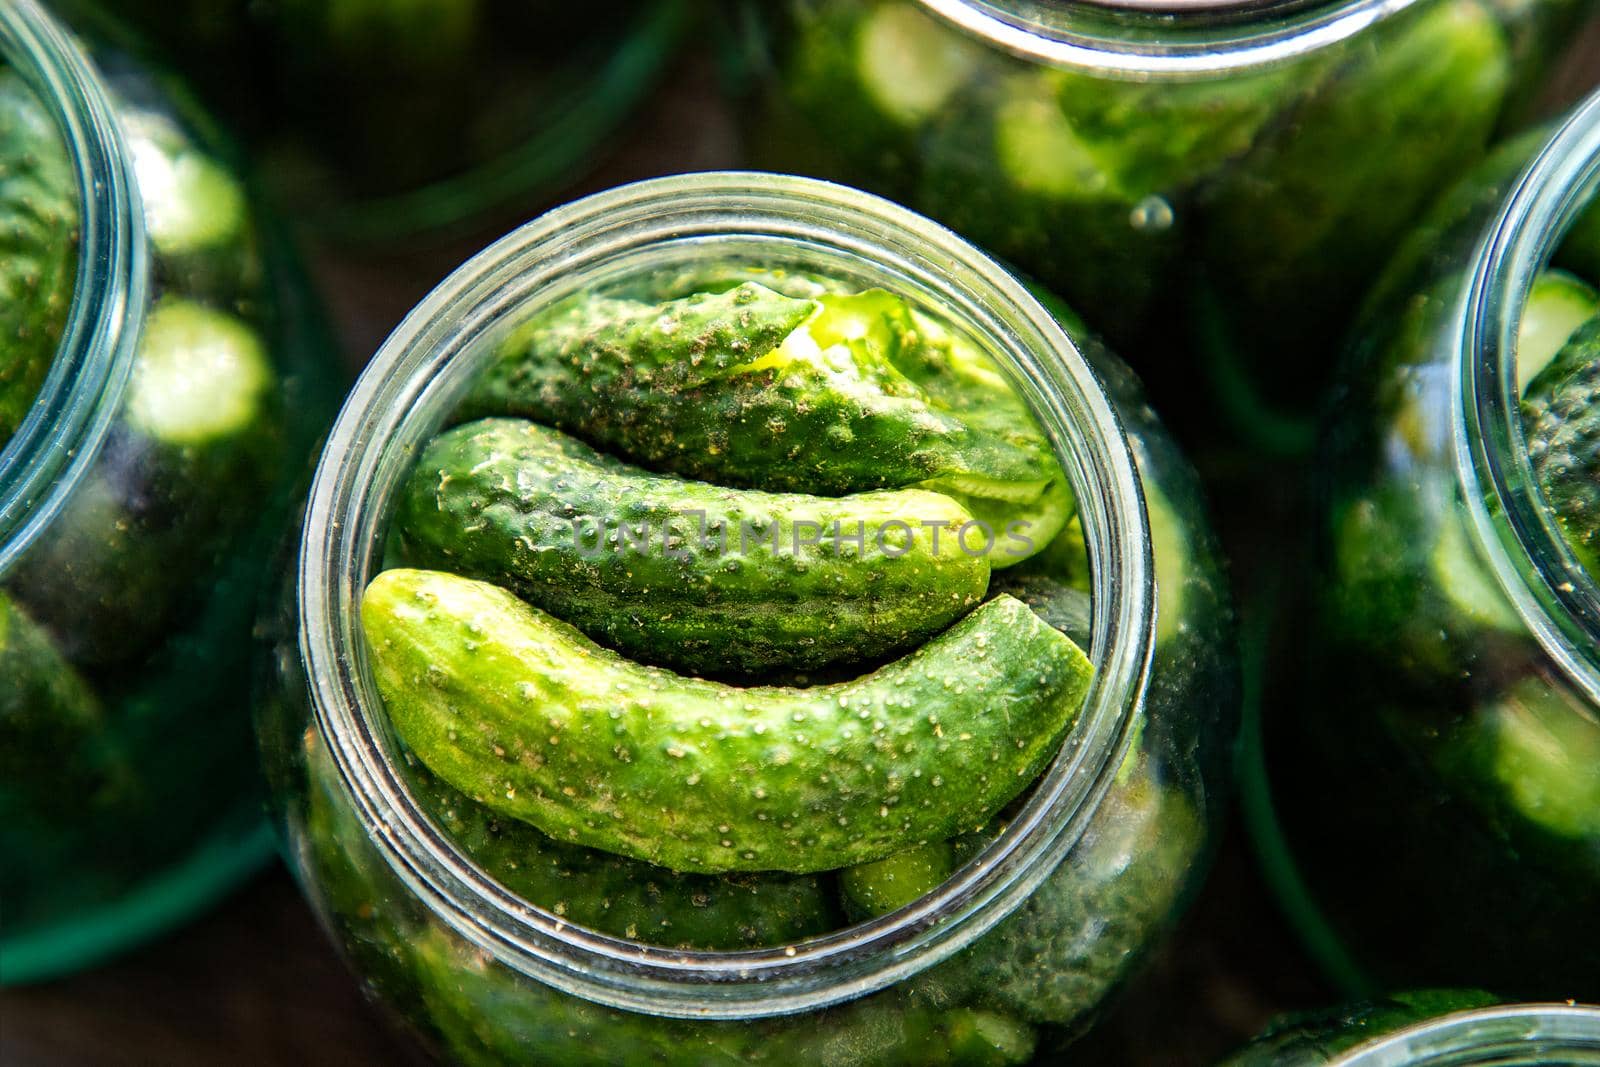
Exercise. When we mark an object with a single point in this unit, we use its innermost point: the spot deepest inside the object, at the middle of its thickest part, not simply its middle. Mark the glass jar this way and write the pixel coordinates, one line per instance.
(1432, 1029)
(175, 379)
(1240, 167)
(380, 120)
(1016, 951)
(1429, 798)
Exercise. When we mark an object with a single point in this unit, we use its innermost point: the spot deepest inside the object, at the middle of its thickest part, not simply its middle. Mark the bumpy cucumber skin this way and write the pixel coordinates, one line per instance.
(1064, 606)
(624, 897)
(519, 709)
(889, 884)
(1561, 413)
(736, 590)
(38, 247)
(698, 387)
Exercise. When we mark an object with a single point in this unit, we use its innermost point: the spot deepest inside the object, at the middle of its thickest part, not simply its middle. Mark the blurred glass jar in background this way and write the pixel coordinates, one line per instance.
(1431, 1028)
(442, 911)
(162, 382)
(380, 119)
(1430, 799)
(1215, 178)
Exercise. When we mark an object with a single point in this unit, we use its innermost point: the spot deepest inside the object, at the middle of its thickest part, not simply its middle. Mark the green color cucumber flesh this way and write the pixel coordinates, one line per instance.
(1557, 305)
(1561, 414)
(686, 574)
(753, 389)
(38, 247)
(624, 897)
(520, 710)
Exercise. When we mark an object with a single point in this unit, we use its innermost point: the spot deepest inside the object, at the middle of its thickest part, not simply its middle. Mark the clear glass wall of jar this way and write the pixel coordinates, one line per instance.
(1242, 168)
(1429, 803)
(1432, 1029)
(1008, 958)
(165, 378)
(381, 121)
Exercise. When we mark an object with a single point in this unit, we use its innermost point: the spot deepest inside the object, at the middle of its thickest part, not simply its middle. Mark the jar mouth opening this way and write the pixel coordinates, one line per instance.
(69, 418)
(1520, 1035)
(1138, 39)
(390, 414)
(1532, 559)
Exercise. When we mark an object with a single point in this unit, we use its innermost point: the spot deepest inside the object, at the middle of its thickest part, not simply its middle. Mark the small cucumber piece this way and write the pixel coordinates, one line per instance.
(202, 376)
(1561, 415)
(910, 64)
(735, 580)
(889, 884)
(753, 389)
(514, 707)
(624, 897)
(38, 247)
(196, 212)
(1557, 305)
(1547, 759)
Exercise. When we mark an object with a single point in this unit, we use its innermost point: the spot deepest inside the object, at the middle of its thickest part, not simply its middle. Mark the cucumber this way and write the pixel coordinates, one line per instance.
(38, 247)
(1561, 415)
(54, 762)
(910, 64)
(735, 581)
(889, 884)
(175, 480)
(753, 389)
(1546, 759)
(519, 709)
(196, 212)
(626, 898)
(1063, 606)
(1557, 305)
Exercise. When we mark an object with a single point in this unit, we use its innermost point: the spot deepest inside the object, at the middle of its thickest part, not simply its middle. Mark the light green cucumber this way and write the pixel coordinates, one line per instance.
(1546, 759)
(38, 247)
(754, 389)
(686, 574)
(889, 884)
(514, 707)
(1557, 305)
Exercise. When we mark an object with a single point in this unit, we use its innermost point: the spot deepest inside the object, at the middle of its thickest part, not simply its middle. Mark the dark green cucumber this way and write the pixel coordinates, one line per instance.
(175, 479)
(625, 897)
(521, 710)
(685, 574)
(53, 757)
(1561, 413)
(754, 389)
(38, 247)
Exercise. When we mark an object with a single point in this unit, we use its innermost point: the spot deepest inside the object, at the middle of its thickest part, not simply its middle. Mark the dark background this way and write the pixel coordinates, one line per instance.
(253, 983)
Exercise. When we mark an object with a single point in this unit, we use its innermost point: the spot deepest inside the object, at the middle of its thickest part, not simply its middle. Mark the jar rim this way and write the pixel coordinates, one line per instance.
(1525, 547)
(1484, 1036)
(78, 400)
(1136, 39)
(344, 511)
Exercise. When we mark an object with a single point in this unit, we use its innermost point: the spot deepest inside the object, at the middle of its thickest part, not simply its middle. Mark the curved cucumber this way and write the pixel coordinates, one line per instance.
(626, 898)
(510, 705)
(1557, 305)
(686, 574)
(38, 247)
(754, 389)
(1561, 412)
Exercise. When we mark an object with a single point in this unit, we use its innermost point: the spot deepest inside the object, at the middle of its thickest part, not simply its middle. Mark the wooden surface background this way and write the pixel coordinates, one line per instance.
(254, 984)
